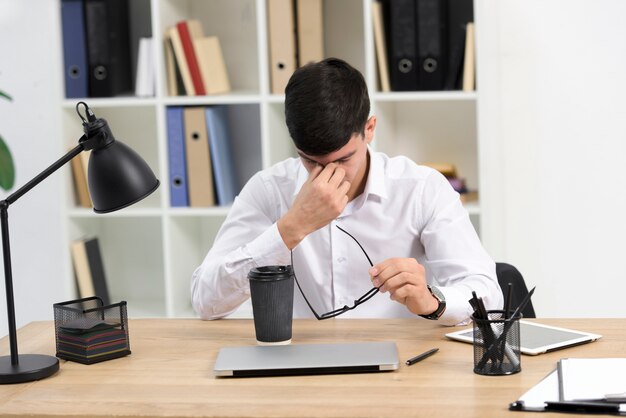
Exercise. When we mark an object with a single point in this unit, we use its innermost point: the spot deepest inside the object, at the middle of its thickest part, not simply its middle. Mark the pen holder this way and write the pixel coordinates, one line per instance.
(88, 332)
(497, 344)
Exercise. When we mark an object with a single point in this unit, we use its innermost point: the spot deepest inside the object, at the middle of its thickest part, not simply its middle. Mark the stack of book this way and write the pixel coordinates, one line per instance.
(87, 340)
(194, 63)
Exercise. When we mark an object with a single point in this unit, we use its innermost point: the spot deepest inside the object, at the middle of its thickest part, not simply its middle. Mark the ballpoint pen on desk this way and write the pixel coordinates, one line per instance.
(421, 357)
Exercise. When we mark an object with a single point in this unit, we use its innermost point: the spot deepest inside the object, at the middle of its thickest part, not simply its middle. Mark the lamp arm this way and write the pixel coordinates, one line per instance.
(6, 251)
(44, 174)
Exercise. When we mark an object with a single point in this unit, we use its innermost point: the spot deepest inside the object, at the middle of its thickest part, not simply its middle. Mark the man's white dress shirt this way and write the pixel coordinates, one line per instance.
(406, 210)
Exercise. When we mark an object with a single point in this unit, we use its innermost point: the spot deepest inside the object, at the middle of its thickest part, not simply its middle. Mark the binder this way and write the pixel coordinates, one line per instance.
(96, 268)
(431, 43)
(108, 47)
(460, 12)
(199, 170)
(221, 154)
(310, 29)
(402, 44)
(184, 28)
(176, 157)
(282, 43)
(381, 46)
(74, 49)
(212, 66)
(181, 61)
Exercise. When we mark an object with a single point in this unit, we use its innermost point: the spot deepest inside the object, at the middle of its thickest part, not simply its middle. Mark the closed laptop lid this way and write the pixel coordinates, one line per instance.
(297, 359)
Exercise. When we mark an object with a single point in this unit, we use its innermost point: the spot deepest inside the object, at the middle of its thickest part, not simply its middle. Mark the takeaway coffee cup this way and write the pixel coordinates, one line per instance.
(271, 290)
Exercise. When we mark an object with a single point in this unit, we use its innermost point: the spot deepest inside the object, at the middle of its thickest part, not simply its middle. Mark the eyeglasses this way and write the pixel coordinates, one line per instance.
(367, 296)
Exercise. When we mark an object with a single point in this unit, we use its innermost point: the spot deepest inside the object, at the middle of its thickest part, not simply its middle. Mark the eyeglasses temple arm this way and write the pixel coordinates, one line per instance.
(301, 292)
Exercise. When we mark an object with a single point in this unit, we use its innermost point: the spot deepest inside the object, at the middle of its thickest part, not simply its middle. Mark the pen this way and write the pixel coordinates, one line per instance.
(421, 357)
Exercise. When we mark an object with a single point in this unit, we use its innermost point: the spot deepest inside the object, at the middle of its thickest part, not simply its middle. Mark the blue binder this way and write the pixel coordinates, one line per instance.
(74, 49)
(221, 154)
(176, 157)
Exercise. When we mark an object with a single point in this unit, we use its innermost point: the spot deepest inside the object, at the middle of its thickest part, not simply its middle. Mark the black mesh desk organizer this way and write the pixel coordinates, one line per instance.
(88, 332)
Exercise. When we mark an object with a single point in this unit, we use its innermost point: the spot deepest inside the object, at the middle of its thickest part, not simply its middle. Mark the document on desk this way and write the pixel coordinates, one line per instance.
(592, 379)
(546, 396)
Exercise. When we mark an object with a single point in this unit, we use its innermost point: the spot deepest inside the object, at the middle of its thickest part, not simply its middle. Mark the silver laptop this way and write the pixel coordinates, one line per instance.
(538, 338)
(296, 359)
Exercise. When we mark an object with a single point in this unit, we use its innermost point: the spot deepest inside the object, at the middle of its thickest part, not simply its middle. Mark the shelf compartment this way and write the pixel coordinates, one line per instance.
(234, 22)
(131, 251)
(430, 132)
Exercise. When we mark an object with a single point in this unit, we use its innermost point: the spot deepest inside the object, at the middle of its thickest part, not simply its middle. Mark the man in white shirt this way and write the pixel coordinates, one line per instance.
(427, 258)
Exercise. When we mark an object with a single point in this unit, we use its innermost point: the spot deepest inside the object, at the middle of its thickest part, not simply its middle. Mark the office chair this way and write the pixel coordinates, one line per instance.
(506, 274)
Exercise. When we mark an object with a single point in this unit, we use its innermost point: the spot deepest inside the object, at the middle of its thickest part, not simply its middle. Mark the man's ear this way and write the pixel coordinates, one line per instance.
(370, 126)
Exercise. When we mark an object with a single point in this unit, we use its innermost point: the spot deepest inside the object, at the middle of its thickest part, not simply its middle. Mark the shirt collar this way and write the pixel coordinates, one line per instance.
(375, 184)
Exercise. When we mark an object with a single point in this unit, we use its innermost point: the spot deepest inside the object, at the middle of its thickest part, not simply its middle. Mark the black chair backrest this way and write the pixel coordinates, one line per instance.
(509, 274)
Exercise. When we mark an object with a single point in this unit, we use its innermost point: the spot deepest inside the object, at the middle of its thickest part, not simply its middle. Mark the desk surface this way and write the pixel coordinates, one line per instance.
(170, 373)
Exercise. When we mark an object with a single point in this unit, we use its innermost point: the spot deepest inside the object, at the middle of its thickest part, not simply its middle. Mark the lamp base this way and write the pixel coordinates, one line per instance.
(31, 367)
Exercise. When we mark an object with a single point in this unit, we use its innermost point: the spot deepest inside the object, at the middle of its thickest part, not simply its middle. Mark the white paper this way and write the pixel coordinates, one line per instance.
(585, 379)
(545, 391)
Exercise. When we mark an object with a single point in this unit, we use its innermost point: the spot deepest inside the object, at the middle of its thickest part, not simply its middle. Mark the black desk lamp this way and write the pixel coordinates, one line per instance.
(118, 177)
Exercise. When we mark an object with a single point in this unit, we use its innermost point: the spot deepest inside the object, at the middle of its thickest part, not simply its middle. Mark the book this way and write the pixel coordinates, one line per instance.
(144, 80)
(79, 175)
(381, 46)
(212, 65)
(282, 43)
(199, 167)
(310, 31)
(89, 269)
(172, 74)
(108, 46)
(74, 49)
(187, 29)
(222, 157)
(82, 272)
(181, 61)
(468, 59)
(96, 268)
(176, 157)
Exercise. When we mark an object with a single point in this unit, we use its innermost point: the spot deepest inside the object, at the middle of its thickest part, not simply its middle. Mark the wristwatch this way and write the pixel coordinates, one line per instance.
(442, 303)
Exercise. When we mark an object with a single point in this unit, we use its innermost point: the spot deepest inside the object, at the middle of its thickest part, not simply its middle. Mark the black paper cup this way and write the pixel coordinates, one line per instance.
(271, 290)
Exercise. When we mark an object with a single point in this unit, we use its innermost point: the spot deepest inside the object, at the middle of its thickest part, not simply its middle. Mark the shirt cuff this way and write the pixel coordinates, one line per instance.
(269, 249)
(458, 310)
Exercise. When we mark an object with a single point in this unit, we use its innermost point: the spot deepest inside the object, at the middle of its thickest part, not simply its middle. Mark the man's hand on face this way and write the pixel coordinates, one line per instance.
(321, 199)
(405, 280)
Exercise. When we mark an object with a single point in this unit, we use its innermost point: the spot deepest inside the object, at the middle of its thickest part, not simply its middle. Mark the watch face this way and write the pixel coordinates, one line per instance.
(437, 293)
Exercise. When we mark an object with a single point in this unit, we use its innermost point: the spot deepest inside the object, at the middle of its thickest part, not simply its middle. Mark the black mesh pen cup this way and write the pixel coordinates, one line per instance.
(497, 344)
(271, 290)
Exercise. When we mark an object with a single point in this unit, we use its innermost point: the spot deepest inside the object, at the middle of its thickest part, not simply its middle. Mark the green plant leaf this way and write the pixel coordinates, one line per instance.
(6, 96)
(7, 169)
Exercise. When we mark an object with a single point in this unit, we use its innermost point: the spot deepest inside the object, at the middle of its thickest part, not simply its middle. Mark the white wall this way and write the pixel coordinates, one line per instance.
(554, 112)
(30, 71)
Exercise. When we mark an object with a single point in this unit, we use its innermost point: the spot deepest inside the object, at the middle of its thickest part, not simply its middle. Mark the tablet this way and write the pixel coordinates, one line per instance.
(298, 359)
(537, 338)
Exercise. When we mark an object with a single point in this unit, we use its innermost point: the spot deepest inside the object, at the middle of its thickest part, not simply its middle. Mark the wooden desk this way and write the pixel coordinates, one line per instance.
(170, 373)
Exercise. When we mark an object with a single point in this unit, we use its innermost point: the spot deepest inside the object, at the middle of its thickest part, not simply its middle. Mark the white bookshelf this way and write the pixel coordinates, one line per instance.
(150, 249)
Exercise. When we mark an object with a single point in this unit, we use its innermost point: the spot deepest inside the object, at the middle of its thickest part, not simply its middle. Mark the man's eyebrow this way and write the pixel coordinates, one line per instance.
(345, 157)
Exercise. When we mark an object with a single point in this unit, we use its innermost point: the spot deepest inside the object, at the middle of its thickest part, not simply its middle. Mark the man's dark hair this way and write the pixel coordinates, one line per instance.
(325, 104)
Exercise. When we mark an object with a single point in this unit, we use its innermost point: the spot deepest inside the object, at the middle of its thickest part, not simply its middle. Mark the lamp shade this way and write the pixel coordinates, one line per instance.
(118, 177)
